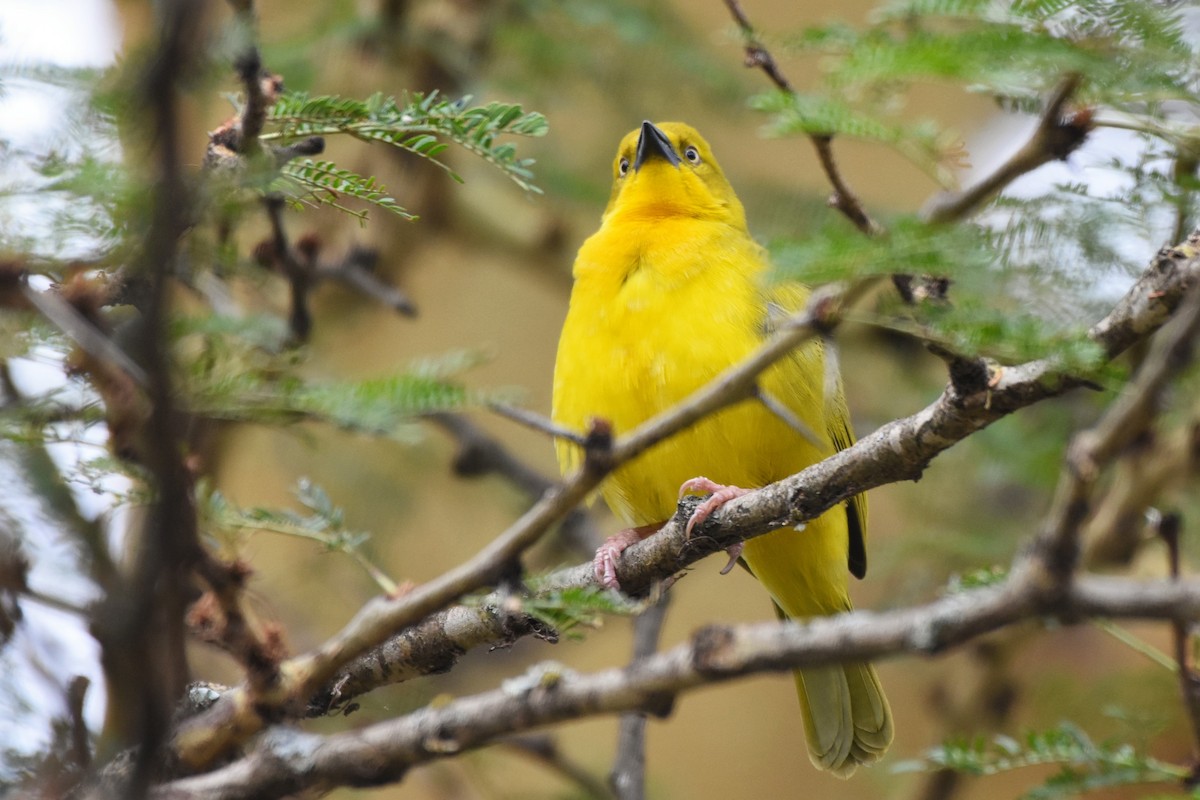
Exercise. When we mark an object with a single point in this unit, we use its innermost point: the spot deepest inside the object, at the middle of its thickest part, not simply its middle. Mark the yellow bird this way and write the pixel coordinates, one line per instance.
(670, 292)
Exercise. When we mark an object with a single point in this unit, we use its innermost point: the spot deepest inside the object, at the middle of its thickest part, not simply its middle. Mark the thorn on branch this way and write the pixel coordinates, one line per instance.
(968, 376)
(598, 447)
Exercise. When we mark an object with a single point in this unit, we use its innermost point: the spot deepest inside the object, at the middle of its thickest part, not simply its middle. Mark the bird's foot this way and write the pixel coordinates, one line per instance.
(735, 552)
(604, 564)
(720, 495)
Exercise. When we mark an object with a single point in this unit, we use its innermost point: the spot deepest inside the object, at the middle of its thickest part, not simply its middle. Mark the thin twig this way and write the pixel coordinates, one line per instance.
(843, 198)
(1183, 172)
(537, 422)
(84, 334)
(481, 454)
(1150, 465)
(788, 418)
(1169, 526)
(628, 775)
(300, 264)
(356, 272)
(544, 749)
(1057, 136)
(1057, 545)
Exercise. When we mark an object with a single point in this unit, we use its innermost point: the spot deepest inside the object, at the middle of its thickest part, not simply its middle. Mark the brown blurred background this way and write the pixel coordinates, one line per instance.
(489, 268)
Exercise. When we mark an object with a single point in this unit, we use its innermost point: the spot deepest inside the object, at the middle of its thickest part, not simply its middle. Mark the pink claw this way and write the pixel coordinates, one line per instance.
(720, 495)
(735, 552)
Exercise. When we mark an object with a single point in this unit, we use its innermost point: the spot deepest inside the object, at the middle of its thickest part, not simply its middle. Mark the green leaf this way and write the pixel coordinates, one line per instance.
(838, 252)
(925, 144)
(566, 609)
(326, 524)
(419, 124)
(1084, 764)
(381, 406)
(325, 183)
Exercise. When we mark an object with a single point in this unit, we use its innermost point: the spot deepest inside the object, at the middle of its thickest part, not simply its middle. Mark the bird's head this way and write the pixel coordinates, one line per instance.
(668, 170)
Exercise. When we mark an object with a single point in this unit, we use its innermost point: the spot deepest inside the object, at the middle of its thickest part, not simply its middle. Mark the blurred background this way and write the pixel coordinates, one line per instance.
(488, 267)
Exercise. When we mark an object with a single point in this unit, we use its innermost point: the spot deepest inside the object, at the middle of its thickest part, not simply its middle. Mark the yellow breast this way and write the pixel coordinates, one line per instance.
(660, 308)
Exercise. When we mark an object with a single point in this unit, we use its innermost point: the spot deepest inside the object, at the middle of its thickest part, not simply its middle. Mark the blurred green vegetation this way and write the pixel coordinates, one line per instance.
(487, 264)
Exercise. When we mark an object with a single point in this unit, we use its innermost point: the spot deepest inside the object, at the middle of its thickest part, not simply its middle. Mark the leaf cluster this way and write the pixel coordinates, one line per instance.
(564, 610)
(228, 381)
(992, 311)
(1085, 765)
(422, 125)
(1129, 53)
(325, 525)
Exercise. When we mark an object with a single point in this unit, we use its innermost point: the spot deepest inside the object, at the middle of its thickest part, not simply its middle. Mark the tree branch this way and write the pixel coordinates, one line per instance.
(140, 622)
(241, 712)
(1057, 136)
(628, 776)
(898, 451)
(286, 761)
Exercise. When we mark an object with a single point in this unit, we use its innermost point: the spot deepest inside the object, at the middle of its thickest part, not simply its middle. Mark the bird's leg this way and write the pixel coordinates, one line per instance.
(605, 562)
(720, 495)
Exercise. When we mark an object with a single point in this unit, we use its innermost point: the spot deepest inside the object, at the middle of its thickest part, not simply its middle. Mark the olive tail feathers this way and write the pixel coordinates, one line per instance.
(847, 721)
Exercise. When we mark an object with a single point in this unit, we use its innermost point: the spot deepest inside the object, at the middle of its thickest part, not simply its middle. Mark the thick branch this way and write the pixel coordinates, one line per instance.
(139, 623)
(898, 451)
(286, 761)
(241, 713)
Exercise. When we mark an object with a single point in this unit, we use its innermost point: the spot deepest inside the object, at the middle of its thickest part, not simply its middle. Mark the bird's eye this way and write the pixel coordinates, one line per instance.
(692, 154)
(623, 167)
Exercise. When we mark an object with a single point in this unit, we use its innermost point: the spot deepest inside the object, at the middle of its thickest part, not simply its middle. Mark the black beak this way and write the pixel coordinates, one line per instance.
(653, 143)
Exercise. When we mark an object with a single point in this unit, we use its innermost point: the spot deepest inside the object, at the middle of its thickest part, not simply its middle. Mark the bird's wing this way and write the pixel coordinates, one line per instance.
(838, 422)
(782, 300)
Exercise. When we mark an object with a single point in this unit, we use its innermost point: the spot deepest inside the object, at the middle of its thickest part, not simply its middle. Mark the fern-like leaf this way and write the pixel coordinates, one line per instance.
(385, 406)
(417, 124)
(1084, 764)
(325, 183)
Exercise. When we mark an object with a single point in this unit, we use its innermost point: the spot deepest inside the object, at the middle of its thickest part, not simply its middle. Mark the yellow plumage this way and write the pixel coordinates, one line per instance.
(669, 293)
